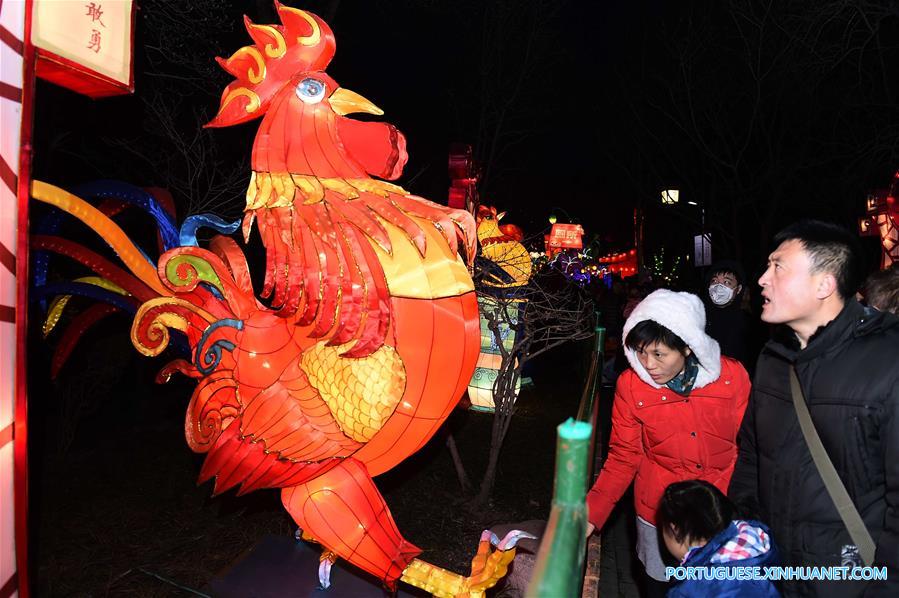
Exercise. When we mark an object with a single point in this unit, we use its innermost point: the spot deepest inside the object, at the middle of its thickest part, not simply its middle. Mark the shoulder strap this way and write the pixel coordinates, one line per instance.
(835, 488)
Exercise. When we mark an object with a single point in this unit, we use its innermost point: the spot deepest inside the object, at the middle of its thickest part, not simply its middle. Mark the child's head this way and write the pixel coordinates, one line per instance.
(690, 514)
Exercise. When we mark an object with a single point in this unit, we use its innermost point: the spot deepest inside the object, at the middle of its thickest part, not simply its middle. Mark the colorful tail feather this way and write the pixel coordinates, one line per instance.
(208, 288)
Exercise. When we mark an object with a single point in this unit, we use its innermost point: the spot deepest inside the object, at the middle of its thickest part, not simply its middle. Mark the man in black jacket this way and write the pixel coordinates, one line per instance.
(845, 356)
(726, 321)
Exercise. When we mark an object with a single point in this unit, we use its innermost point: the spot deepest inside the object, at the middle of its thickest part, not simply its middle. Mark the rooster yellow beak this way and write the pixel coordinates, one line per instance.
(343, 101)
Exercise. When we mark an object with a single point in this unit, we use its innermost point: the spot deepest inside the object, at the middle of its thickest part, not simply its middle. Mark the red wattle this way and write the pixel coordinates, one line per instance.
(378, 147)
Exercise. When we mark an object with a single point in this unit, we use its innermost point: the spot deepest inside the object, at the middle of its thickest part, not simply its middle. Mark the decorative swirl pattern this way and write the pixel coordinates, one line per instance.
(214, 401)
(238, 60)
(315, 37)
(207, 358)
(184, 268)
(253, 102)
(265, 33)
(185, 271)
(150, 330)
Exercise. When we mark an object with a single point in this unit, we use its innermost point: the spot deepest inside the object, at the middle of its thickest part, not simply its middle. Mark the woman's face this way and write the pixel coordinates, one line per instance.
(661, 362)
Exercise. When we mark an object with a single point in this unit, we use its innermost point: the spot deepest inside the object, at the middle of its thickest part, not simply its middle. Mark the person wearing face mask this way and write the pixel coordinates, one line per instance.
(726, 320)
(675, 417)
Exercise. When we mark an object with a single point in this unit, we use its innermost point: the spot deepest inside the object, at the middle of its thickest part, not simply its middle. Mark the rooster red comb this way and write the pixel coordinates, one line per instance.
(302, 43)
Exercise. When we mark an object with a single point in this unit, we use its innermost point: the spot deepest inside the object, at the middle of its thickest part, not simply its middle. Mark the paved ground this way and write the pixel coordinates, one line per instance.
(619, 566)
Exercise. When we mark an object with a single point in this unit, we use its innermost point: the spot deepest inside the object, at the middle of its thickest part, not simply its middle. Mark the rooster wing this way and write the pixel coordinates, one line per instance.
(323, 408)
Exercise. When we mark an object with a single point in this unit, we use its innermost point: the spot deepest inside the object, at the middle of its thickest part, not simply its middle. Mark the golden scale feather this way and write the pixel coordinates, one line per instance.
(361, 393)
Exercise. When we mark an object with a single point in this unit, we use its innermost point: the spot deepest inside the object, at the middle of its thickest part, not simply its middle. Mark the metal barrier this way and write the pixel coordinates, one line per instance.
(559, 570)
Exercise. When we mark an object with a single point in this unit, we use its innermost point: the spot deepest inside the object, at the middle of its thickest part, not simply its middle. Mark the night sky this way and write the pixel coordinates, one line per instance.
(602, 105)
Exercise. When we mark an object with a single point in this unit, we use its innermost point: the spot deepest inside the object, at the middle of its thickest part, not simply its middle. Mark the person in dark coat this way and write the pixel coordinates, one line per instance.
(726, 320)
(701, 529)
(881, 290)
(845, 359)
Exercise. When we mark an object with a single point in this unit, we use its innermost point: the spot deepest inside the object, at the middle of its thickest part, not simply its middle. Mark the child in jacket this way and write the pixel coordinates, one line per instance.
(699, 529)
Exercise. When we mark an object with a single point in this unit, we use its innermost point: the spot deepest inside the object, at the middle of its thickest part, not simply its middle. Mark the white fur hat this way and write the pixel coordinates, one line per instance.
(684, 315)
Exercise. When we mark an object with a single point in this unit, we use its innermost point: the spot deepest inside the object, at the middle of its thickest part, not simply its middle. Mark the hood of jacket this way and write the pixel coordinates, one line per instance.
(745, 543)
(684, 315)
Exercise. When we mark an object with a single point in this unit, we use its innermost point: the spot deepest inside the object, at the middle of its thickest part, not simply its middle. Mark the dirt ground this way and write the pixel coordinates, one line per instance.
(116, 511)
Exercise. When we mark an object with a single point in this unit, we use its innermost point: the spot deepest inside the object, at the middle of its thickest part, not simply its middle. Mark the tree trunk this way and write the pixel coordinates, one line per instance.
(489, 479)
(504, 399)
(461, 474)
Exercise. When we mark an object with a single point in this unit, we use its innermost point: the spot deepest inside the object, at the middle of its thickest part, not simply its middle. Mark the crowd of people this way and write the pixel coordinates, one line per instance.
(798, 467)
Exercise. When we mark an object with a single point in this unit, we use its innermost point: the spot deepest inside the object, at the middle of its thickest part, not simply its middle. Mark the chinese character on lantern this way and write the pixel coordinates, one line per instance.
(94, 41)
(94, 11)
(86, 46)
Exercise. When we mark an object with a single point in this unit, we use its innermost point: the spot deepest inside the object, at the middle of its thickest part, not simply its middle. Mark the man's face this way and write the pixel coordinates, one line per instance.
(724, 288)
(789, 288)
(728, 279)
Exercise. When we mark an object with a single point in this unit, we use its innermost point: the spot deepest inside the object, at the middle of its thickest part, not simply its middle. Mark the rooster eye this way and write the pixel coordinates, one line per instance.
(311, 90)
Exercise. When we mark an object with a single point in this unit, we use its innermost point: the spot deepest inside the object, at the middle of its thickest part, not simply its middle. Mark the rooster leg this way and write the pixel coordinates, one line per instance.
(343, 510)
(487, 568)
(326, 560)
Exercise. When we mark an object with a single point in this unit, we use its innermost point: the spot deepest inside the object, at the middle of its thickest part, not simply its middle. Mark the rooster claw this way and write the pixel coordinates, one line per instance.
(510, 540)
(487, 567)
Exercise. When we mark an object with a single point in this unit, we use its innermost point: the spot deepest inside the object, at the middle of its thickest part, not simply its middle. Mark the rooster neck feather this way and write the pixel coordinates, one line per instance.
(320, 233)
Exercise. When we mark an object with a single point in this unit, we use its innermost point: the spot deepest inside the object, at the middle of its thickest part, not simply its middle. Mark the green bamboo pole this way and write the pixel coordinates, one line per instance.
(585, 412)
(560, 560)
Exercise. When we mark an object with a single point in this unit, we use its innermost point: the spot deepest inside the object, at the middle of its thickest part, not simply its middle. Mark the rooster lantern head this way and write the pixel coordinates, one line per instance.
(304, 130)
(311, 191)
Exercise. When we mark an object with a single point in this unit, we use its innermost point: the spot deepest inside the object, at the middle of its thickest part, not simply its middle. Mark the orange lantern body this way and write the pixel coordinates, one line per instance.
(372, 332)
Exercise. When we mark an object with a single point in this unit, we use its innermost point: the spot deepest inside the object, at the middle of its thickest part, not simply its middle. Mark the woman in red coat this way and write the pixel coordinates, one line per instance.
(676, 415)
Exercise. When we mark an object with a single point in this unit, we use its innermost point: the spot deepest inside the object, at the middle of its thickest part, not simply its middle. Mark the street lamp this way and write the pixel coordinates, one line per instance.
(670, 196)
(553, 218)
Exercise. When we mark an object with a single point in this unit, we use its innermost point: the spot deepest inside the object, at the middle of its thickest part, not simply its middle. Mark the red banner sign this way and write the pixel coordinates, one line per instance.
(566, 236)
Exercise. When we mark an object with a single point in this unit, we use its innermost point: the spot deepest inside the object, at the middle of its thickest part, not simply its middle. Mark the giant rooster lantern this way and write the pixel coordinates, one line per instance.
(371, 330)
